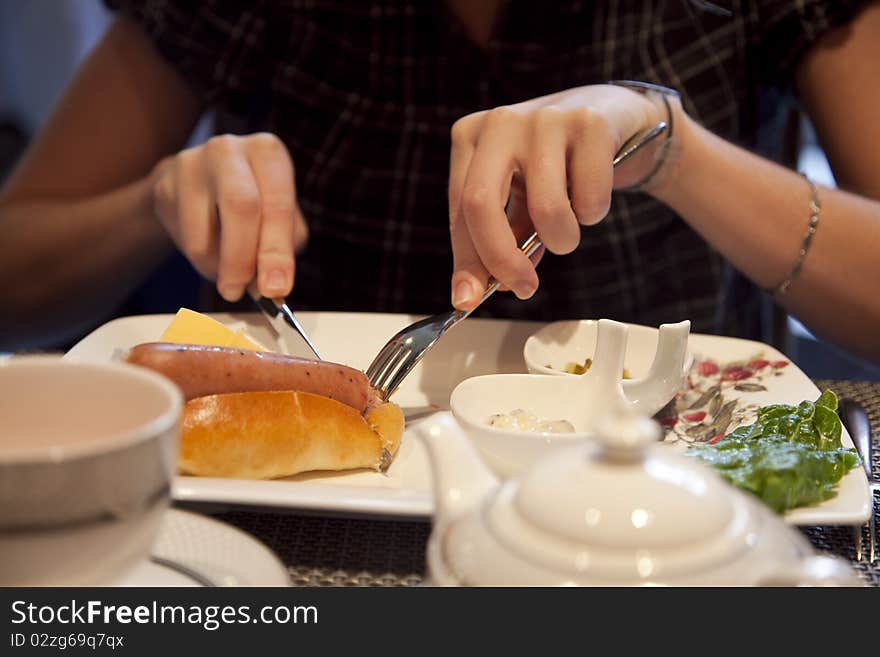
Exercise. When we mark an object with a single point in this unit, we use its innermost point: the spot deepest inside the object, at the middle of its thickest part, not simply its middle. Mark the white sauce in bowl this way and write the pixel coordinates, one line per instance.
(521, 420)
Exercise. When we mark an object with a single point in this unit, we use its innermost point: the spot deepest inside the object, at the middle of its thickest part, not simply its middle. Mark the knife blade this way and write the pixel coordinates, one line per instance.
(855, 419)
(280, 317)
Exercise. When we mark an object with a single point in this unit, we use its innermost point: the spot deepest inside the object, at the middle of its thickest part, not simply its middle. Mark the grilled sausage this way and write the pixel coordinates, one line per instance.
(201, 371)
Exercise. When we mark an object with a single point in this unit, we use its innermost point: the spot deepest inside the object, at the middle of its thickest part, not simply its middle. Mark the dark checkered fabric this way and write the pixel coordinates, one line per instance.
(364, 95)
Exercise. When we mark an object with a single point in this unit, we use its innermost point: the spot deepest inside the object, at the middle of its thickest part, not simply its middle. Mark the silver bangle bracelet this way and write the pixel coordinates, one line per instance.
(815, 207)
(662, 154)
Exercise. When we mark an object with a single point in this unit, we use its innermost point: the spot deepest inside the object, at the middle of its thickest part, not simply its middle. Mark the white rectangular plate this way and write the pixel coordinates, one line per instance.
(477, 346)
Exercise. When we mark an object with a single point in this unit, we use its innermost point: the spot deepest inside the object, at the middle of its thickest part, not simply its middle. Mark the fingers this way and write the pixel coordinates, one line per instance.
(545, 175)
(239, 207)
(564, 156)
(230, 205)
(193, 222)
(563, 146)
(590, 168)
(484, 197)
(282, 226)
(521, 223)
(468, 274)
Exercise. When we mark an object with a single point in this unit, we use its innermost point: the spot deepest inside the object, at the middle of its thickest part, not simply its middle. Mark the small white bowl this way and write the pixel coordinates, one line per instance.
(581, 400)
(507, 451)
(573, 341)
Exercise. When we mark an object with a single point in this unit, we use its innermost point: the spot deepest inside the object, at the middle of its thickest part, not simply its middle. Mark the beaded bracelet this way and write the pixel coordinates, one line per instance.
(815, 207)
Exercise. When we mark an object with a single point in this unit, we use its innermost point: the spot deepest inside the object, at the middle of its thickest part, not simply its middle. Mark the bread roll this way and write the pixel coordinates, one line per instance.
(265, 435)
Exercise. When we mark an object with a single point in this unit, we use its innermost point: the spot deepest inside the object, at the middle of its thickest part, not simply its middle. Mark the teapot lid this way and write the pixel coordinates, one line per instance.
(619, 509)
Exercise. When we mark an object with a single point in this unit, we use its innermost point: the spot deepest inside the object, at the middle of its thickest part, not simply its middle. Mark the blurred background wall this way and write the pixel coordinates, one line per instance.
(41, 43)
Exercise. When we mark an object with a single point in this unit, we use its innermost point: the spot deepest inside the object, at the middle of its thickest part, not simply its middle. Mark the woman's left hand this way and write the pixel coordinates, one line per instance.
(543, 165)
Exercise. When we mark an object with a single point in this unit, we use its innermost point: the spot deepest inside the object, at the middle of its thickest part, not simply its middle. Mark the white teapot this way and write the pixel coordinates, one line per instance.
(616, 511)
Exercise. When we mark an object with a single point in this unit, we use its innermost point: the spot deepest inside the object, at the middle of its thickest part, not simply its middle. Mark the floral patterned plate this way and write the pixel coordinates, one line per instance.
(728, 381)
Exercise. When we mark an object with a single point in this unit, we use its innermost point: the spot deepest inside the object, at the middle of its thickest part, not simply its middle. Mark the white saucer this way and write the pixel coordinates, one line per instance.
(193, 550)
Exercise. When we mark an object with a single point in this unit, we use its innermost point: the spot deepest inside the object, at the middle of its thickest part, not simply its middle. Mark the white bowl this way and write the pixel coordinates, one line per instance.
(573, 341)
(581, 400)
(506, 451)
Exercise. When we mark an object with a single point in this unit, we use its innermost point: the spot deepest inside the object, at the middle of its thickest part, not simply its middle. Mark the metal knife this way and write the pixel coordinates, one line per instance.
(280, 316)
(855, 419)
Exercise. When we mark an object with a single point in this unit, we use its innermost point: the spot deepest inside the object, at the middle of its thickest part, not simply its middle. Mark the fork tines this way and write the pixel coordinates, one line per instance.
(385, 371)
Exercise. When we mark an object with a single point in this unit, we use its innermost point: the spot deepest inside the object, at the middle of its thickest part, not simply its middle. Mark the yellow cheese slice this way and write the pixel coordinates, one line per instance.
(190, 327)
(243, 341)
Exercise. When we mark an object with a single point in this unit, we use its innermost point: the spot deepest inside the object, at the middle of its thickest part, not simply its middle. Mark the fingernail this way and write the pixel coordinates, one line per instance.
(524, 290)
(462, 292)
(276, 282)
(230, 292)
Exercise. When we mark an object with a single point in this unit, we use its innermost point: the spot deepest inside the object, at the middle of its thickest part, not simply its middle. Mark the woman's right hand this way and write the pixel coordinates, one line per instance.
(230, 206)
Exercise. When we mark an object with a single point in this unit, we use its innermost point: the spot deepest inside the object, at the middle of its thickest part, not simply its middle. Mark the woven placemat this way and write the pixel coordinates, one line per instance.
(320, 551)
(839, 540)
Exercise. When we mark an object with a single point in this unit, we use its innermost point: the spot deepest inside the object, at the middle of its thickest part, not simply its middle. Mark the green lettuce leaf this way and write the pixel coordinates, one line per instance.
(790, 456)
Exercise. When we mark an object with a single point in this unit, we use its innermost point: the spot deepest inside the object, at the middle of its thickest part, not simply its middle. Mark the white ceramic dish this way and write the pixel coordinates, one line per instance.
(648, 390)
(193, 550)
(476, 347)
(557, 344)
(579, 401)
(509, 451)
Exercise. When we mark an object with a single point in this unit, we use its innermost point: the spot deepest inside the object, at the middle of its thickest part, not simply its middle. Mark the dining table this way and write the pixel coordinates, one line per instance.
(323, 550)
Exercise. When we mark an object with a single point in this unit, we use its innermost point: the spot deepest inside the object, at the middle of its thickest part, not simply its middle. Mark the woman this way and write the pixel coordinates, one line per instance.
(352, 113)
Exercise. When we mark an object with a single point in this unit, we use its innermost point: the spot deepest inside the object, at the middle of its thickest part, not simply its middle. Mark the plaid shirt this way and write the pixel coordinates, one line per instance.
(364, 95)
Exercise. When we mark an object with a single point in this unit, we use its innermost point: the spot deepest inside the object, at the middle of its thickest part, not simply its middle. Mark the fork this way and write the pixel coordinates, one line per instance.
(404, 351)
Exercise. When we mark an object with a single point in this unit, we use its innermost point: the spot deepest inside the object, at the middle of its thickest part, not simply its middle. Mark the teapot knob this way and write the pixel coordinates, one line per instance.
(624, 436)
